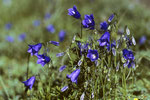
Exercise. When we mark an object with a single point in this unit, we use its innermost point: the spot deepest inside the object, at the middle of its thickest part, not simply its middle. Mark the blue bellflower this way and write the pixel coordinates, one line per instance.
(34, 49)
(36, 23)
(62, 68)
(104, 39)
(50, 28)
(83, 47)
(64, 88)
(92, 55)
(142, 40)
(54, 43)
(8, 26)
(9, 39)
(42, 59)
(22, 37)
(47, 16)
(111, 17)
(29, 83)
(74, 12)
(74, 75)
(60, 54)
(62, 35)
(104, 25)
(89, 22)
(128, 55)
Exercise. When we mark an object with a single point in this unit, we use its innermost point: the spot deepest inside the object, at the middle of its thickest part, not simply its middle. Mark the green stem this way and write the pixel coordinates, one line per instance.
(28, 65)
(124, 82)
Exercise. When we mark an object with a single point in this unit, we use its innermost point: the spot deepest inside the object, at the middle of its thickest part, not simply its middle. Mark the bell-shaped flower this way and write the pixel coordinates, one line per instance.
(104, 39)
(62, 35)
(42, 59)
(93, 55)
(54, 43)
(89, 22)
(50, 28)
(74, 12)
(104, 25)
(34, 49)
(111, 17)
(29, 83)
(74, 75)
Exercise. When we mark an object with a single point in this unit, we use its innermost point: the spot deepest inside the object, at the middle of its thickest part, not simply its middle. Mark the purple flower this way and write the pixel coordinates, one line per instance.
(92, 55)
(34, 49)
(127, 54)
(36, 23)
(104, 25)
(8, 26)
(62, 68)
(22, 37)
(64, 88)
(60, 54)
(142, 40)
(50, 28)
(104, 40)
(9, 39)
(83, 47)
(88, 22)
(47, 16)
(54, 43)
(111, 17)
(29, 83)
(74, 75)
(42, 59)
(74, 12)
(61, 35)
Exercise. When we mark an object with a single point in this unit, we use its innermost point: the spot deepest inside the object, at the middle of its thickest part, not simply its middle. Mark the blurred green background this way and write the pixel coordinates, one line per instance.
(22, 14)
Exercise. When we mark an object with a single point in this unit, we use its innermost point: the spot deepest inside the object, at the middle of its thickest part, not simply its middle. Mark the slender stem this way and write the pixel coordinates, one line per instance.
(124, 82)
(81, 27)
(115, 63)
(28, 65)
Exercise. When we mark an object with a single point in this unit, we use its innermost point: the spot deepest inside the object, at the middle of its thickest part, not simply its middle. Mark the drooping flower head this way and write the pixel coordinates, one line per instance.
(64, 88)
(74, 75)
(93, 55)
(50, 28)
(60, 54)
(104, 39)
(111, 17)
(54, 43)
(89, 22)
(34, 49)
(22, 37)
(42, 59)
(74, 12)
(29, 83)
(62, 35)
(9, 39)
(104, 25)
(62, 68)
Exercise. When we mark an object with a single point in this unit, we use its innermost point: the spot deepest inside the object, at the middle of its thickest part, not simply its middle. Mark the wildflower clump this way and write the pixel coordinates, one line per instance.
(99, 61)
